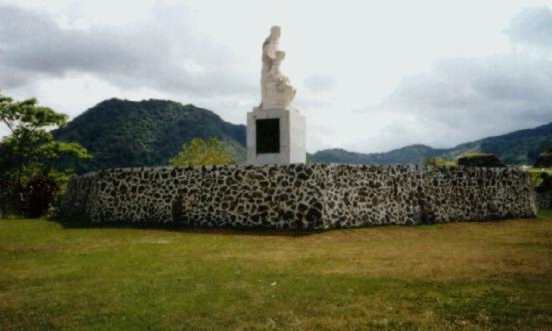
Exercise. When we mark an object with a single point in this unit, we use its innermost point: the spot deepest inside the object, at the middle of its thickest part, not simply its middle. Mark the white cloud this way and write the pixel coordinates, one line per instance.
(463, 99)
(320, 83)
(160, 53)
(532, 27)
(435, 72)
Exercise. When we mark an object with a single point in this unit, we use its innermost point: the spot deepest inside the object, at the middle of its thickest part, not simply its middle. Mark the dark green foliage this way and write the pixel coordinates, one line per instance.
(545, 184)
(32, 199)
(29, 156)
(30, 149)
(544, 160)
(38, 195)
(121, 133)
(519, 147)
(7, 191)
(480, 160)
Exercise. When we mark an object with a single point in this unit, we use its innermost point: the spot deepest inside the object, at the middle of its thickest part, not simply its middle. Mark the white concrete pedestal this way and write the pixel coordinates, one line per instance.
(275, 136)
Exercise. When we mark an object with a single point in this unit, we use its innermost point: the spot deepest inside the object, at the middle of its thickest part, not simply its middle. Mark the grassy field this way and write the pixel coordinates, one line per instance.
(465, 276)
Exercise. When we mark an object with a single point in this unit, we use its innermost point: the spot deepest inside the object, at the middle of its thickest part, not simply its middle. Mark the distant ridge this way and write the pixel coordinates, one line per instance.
(122, 133)
(518, 147)
(408, 154)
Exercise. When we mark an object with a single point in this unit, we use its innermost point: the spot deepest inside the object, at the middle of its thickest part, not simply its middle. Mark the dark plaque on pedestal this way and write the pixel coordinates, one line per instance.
(268, 136)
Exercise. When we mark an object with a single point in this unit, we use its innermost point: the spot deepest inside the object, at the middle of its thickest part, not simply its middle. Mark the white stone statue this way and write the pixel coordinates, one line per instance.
(276, 91)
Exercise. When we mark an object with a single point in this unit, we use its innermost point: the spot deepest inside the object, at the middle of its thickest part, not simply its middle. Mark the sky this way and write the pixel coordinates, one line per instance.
(370, 75)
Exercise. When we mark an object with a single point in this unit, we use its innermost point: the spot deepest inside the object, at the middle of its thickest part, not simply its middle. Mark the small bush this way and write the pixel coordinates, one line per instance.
(9, 198)
(480, 160)
(537, 175)
(38, 195)
(32, 199)
(545, 184)
(544, 160)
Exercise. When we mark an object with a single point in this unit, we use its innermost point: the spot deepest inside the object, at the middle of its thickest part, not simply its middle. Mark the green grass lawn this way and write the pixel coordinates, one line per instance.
(464, 276)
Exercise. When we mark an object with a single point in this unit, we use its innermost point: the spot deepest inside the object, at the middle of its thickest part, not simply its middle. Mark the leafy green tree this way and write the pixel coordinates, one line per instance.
(199, 152)
(30, 150)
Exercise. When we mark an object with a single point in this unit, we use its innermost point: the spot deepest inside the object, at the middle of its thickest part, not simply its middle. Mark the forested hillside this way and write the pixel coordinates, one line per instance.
(519, 147)
(121, 133)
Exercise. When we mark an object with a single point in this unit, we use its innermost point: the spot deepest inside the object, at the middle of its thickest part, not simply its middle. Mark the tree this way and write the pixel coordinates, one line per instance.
(476, 159)
(30, 150)
(544, 160)
(199, 152)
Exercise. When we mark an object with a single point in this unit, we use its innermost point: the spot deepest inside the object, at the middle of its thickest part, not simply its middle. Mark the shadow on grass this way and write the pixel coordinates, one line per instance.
(178, 227)
(77, 223)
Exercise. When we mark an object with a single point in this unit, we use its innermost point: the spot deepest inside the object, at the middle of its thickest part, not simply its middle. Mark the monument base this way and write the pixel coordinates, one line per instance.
(275, 136)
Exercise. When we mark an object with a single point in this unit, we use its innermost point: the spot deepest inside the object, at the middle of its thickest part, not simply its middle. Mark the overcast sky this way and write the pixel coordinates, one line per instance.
(370, 75)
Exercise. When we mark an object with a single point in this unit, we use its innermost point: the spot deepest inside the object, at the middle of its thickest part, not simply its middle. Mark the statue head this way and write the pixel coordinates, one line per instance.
(275, 32)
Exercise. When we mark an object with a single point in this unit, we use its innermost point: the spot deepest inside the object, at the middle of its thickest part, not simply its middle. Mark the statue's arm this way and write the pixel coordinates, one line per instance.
(269, 50)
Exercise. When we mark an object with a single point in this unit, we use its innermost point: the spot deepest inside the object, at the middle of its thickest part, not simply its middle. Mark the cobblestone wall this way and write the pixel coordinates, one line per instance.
(307, 197)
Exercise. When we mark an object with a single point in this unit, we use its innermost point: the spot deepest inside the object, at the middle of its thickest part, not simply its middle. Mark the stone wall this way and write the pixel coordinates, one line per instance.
(304, 197)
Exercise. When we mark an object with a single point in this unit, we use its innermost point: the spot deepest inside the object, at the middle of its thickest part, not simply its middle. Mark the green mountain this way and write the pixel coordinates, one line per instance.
(121, 133)
(519, 147)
